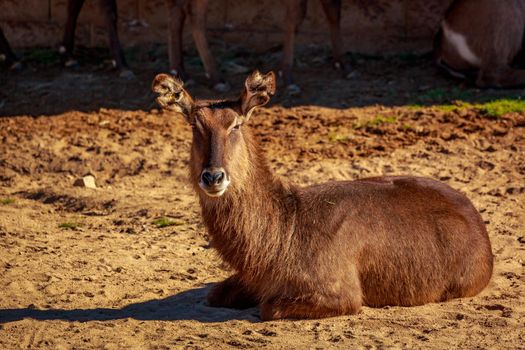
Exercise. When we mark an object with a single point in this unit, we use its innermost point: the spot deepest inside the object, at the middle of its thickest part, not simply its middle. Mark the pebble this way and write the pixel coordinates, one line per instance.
(87, 181)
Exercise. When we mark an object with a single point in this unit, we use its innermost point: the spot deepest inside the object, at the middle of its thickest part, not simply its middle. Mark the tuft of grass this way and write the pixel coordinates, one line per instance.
(498, 108)
(492, 109)
(335, 137)
(451, 107)
(7, 201)
(69, 225)
(165, 222)
(378, 120)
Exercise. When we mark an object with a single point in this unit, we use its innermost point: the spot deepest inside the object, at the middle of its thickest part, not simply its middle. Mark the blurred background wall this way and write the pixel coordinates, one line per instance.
(369, 26)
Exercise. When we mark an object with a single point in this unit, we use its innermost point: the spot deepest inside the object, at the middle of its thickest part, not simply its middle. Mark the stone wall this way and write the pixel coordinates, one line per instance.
(369, 26)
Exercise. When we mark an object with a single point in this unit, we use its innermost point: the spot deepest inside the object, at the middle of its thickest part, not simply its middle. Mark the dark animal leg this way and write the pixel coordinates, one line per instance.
(299, 308)
(177, 16)
(332, 10)
(110, 14)
(295, 13)
(68, 41)
(10, 58)
(198, 9)
(231, 293)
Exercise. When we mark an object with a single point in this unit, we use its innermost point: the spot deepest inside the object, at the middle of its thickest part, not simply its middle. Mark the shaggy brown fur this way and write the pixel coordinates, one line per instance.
(323, 250)
(492, 33)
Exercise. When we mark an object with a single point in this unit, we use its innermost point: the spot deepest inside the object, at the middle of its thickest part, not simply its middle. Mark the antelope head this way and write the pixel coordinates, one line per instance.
(220, 150)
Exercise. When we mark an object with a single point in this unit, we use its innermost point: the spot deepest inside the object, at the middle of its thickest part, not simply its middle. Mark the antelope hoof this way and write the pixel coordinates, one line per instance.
(127, 74)
(71, 63)
(230, 295)
(293, 90)
(221, 87)
(349, 74)
(346, 73)
(16, 66)
(267, 314)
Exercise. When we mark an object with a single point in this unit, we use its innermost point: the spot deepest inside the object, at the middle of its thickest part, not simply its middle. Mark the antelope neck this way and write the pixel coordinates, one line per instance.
(252, 226)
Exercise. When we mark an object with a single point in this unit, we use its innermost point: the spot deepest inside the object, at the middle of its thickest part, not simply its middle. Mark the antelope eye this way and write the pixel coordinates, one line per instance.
(236, 127)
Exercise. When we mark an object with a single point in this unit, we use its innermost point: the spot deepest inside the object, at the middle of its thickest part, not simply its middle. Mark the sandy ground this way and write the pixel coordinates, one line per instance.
(89, 269)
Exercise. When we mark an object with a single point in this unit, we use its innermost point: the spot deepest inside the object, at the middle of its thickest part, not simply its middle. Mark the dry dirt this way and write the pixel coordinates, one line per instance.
(90, 269)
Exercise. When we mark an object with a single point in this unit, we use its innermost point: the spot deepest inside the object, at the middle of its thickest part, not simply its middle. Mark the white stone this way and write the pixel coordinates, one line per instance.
(87, 181)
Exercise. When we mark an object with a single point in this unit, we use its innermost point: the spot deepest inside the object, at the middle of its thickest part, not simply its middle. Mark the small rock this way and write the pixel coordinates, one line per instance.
(499, 132)
(87, 181)
(127, 74)
(446, 136)
(490, 149)
(485, 165)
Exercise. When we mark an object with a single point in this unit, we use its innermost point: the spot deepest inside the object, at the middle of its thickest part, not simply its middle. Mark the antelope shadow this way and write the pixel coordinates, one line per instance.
(186, 305)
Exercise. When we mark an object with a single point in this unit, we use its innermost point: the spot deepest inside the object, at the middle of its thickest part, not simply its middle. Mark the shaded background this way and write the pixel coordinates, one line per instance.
(373, 26)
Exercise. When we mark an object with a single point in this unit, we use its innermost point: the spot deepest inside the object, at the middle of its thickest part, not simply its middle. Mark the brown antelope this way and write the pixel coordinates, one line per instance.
(328, 249)
(178, 11)
(480, 40)
(108, 10)
(295, 13)
(195, 11)
(7, 53)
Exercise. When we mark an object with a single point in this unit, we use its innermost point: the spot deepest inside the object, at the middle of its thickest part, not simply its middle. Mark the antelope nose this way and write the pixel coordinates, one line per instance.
(213, 177)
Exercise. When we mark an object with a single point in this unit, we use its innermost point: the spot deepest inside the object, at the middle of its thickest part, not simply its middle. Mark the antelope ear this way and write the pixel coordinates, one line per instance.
(172, 96)
(258, 89)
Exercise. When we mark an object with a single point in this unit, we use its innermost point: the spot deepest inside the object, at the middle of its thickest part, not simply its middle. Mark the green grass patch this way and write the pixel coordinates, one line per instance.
(70, 225)
(335, 137)
(378, 120)
(492, 109)
(165, 222)
(452, 107)
(498, 108)
(7, 201)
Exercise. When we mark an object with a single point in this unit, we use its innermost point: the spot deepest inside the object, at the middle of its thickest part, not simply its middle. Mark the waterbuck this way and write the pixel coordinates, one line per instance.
(480, 40)
(109, 13)
(295, 12)
(328, 249)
